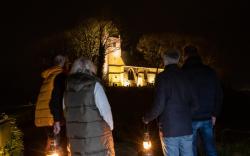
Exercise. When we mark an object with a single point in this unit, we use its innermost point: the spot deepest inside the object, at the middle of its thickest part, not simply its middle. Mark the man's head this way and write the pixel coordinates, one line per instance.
(59, 60)
(171, 56)
(190, 51)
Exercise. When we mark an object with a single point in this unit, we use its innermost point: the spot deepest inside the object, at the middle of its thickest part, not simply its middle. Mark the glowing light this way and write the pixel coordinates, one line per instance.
(126, 83)
(147, 145)
(139, 81)
(146, 142)
(117, 53)
(53, 154)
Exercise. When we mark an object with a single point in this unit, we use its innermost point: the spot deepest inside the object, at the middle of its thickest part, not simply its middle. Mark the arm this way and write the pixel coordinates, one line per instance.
(57, 97)
(159, 100)
(218, 101)
(103, 105)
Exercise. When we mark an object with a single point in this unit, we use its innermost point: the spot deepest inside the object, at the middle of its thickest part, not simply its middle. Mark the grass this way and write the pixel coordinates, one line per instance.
(128, 106)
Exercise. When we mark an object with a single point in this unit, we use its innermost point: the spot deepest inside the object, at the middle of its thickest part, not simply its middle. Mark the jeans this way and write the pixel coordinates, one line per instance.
(177, 146)
(205, 129)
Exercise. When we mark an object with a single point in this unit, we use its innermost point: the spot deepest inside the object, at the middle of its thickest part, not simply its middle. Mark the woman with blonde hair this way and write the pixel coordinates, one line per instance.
(88, 114)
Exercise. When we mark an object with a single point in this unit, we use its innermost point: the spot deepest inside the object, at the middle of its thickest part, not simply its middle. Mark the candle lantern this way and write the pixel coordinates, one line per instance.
(53, 150)
(147, 145)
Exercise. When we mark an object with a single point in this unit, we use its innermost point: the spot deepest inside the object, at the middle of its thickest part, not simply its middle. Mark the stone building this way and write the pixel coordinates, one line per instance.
(118, 73)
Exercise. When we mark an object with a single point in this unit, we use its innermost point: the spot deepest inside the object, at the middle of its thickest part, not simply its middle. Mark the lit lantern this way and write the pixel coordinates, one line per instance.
(52, 154)
(147, 145)
(53, 149)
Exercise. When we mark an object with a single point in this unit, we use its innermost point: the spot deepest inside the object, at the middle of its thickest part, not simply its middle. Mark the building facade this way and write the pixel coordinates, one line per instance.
(117, 73)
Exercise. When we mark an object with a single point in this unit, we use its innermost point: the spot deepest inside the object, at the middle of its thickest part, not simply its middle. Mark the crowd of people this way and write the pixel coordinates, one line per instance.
(72, 103)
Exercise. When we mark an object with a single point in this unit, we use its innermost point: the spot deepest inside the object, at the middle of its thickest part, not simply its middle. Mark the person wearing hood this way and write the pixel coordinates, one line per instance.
(207, 86)
(43, 116)
(89, 121)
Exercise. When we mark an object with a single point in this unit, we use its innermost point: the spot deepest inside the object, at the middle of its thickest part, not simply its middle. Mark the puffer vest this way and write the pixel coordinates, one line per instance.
(43, 116)
(87, 132)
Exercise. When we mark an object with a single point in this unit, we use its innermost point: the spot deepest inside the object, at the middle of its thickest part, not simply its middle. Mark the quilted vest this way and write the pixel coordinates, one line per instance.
(87, 132)
(43, 117)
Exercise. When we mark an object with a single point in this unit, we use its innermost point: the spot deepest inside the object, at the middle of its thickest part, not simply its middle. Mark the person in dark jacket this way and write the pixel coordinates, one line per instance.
(207, 86)
(173, 103)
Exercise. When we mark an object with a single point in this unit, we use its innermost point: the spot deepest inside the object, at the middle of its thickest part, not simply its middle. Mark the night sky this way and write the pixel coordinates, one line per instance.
(25, 24)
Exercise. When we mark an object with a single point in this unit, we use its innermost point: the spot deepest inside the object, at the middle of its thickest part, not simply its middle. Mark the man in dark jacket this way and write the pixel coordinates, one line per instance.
(206, 84)
(173, 102)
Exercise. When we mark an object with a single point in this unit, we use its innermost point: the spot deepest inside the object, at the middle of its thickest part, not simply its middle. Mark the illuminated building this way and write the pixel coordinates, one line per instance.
(117, 73)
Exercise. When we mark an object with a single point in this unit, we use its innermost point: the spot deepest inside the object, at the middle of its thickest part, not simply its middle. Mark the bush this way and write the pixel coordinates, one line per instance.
(14, 146)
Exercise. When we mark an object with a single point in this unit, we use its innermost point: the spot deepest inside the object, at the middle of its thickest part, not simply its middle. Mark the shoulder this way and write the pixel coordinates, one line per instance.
(163, 77)
(60, 77)
(209, 70)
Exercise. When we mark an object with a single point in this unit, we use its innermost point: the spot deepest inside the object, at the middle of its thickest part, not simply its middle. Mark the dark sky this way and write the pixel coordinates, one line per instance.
(24, 24)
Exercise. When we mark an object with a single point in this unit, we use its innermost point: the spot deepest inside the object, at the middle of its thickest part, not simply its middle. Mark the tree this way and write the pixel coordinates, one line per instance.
(152, 45)
(89, 40)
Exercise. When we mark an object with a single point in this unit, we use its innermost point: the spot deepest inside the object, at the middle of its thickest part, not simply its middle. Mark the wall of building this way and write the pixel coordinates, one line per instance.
(118, 74)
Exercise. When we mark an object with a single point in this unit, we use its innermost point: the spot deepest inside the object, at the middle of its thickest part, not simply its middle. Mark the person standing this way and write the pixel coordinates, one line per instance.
(207, 86)
(56, 108)
(43, 116)
(89, 121)
(173, 103)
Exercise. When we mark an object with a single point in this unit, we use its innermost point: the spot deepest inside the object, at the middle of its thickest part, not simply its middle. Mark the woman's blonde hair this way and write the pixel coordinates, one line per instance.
(83, 65)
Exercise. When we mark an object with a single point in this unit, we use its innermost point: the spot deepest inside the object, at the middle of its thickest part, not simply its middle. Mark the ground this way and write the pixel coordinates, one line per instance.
(128, 106)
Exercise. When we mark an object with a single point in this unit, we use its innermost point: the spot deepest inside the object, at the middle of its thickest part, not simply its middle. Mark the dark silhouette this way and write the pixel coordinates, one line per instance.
(174, 101)
(207, 86)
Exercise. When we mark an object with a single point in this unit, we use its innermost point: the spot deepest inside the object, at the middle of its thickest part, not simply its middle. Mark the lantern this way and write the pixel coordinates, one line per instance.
(147, 145)
(53, 148)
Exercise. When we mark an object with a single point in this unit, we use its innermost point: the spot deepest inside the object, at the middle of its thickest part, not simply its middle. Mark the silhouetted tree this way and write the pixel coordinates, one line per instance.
(89, 40)
(152, 45)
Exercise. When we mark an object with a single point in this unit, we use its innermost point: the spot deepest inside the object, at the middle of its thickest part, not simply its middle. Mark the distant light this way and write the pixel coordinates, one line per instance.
(116, 53)
(126, 83)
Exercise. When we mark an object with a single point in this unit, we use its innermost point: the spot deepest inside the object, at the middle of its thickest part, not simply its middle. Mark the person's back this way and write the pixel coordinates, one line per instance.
(173, 102)
(176, 115)
(205, 83)
(88, 115)
(43, 115)
(207, 87)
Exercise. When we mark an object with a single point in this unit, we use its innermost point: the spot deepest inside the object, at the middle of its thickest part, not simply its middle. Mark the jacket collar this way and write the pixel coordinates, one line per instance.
(171, 66)
(193, 61)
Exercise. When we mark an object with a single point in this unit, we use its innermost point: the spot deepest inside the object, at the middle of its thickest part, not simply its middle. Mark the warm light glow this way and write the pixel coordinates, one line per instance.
(116, 53)
(126, 83)
(53, 154)
(139, 81)
(146, 145)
